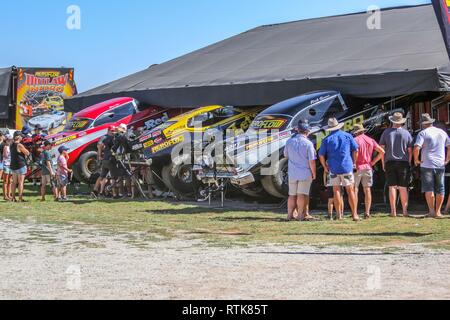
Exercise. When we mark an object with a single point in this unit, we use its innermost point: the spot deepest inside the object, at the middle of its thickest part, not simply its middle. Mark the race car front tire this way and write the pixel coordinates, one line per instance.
(172, 175)
(277, 185)
(84, 167)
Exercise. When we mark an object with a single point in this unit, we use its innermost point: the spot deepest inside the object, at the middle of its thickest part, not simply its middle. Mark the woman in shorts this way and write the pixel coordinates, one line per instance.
(19, 167)
(2, 145)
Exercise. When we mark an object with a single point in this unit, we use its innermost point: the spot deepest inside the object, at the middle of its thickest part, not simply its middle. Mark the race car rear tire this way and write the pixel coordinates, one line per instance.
(172, 175)
(85, 166)
(277, 185)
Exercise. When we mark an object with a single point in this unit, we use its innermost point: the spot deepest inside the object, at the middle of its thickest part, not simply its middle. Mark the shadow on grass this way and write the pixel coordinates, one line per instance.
(107, 201)
(366, 234)
(250, 219)
(199, 210)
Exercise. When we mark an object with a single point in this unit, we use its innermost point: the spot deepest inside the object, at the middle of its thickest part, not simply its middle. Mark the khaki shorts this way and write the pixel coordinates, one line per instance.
(342, 180)
(364, 177)
(46, 180)
(300, 187)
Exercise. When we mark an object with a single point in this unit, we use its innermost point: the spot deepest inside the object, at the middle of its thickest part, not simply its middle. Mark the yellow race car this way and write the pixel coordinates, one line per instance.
(171, 146)
(55, 103)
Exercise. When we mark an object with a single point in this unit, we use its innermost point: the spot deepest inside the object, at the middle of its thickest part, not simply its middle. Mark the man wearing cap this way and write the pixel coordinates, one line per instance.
(37, 130)
(364, 164)
(338, 157)
(301, 155)
(397, 143)
(430, 155)
(108, 162)
(27, 140)
(119, 171)
(48, 173)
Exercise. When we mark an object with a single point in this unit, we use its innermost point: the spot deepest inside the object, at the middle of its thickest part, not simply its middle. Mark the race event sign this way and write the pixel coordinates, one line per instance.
(40, 97)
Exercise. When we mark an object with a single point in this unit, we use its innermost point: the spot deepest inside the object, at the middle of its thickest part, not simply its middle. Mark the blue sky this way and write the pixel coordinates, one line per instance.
(121, 37)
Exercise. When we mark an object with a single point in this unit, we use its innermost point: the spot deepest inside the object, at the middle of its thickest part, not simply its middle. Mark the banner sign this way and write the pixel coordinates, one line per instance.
(40, 97)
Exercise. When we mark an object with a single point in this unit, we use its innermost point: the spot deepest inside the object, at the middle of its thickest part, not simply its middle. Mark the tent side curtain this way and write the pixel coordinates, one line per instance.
(268, 93)
(5, 86)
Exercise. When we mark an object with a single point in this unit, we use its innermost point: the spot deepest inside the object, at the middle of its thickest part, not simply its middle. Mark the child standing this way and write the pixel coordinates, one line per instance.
(62, 174)
(330, 194)
(7, 173)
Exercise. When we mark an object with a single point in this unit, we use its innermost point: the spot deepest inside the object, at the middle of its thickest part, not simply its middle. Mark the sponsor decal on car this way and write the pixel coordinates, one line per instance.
(79, 124)
(145, 138)
(153, 123)
(156, 133)
(168, 144)
(174, 128)
(148, 144)
(259, 143)
(65, 140)
(269, 124)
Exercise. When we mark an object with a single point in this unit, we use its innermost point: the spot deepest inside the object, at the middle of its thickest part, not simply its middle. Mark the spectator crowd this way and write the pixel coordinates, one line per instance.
(27, 154)
(348, 160)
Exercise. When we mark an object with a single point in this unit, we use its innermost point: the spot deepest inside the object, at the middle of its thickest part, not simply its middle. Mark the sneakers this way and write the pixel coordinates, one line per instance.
(94, 194)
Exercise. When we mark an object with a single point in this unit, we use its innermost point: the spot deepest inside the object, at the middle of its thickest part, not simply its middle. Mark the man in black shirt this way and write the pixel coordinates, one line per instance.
(108, 162)
(121, 147)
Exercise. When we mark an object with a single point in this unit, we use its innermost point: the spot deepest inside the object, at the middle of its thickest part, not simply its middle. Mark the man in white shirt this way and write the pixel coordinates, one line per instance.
(431, 143)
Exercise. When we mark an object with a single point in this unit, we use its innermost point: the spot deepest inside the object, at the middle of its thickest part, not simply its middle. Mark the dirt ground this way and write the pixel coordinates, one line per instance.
(76, 262)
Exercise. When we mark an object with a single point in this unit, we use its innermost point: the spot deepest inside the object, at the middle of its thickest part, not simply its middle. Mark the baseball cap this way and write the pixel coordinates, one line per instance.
(122, 128)
(26, 130)
(18, 134)
(303, 125)
(62, 149)
(38, 138)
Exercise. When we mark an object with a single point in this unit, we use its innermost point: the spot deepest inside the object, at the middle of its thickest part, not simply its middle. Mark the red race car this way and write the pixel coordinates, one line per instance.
(86, 127)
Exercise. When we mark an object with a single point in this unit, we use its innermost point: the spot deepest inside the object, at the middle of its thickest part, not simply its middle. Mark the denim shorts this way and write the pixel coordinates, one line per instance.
(7, 170)
(433, 180)
(62, 181)
(21, 172)
(2, 166)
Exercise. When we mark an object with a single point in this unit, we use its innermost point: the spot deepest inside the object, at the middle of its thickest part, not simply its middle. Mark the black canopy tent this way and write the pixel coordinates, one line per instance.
(5, 91)
(275, 62)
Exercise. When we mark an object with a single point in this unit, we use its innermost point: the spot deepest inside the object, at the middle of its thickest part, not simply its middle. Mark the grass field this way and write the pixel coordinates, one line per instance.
(156, 220)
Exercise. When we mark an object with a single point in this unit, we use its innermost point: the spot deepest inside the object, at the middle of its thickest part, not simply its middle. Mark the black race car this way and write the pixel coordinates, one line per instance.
(255, 162)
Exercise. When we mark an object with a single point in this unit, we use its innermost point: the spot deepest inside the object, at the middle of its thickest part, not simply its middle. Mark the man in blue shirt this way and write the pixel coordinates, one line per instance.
(338, 155)
(302, 158)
